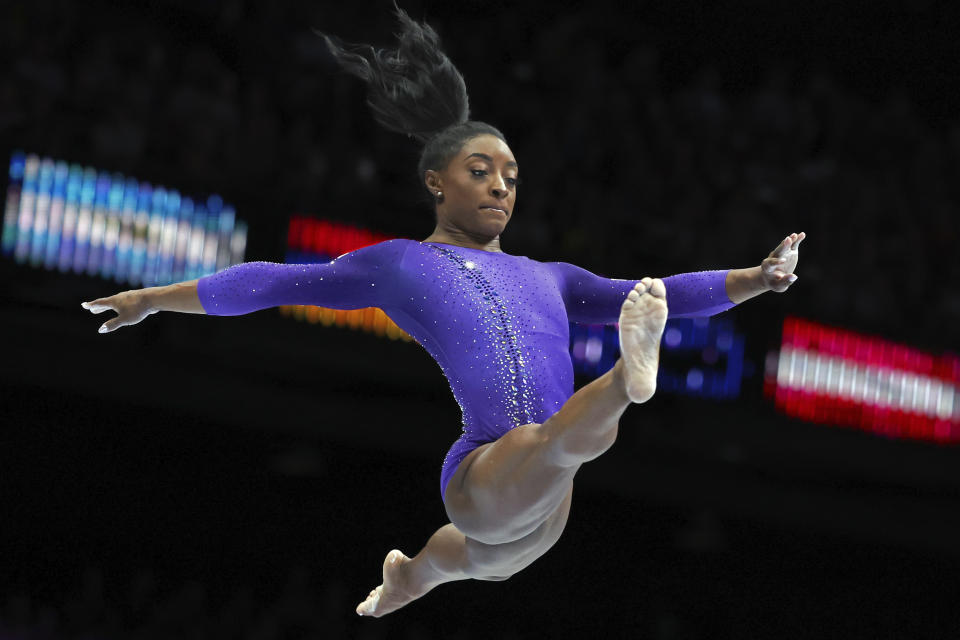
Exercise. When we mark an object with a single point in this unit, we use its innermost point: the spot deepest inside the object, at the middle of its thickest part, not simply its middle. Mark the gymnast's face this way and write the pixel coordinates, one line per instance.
(479, 187)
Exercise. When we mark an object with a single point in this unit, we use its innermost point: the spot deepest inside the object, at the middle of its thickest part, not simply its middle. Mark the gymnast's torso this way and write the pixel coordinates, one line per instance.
(497, 324)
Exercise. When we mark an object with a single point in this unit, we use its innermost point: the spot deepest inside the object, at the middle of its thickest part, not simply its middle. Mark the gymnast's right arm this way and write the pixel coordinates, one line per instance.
(362, 278)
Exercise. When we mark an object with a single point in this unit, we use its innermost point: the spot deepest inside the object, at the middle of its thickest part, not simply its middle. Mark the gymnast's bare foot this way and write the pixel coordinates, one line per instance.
(396, 590)
(642, 317)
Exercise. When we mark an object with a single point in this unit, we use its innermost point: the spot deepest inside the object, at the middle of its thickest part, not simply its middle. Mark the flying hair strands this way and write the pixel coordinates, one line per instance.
(413, 89)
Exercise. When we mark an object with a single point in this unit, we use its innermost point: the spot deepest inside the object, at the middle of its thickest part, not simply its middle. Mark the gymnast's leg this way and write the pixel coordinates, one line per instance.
(509, 500)
(449, 555)
(506, 489)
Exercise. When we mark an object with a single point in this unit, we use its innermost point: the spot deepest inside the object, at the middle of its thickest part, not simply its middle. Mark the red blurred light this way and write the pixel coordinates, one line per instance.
(293, 233)
(326, 240)
(836, 376)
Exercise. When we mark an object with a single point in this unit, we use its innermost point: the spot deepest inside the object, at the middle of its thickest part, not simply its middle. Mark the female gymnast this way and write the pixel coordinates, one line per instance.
(497, 324)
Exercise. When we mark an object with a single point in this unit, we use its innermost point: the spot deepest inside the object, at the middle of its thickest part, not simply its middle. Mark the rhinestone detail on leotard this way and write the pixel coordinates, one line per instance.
(498, 325)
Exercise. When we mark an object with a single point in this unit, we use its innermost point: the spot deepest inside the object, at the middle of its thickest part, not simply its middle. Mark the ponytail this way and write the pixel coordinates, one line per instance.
(415, 90)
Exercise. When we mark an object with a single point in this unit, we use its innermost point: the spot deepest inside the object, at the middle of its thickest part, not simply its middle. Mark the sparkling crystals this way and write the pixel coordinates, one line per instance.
(502, 339)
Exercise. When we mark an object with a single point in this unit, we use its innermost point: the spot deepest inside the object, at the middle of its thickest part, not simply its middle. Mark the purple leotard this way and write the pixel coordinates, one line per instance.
(497, 324)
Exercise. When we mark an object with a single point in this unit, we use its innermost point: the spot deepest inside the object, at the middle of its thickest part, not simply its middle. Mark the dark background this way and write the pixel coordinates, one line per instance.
(244, 477)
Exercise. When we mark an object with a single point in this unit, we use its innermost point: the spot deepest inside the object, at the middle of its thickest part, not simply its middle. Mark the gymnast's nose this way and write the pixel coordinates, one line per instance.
(499, 188)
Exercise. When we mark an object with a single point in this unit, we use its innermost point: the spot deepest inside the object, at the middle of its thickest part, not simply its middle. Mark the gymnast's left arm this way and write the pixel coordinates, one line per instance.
(593, 299)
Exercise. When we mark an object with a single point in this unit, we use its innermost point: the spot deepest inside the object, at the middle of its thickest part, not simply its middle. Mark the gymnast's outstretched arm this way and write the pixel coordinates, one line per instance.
(592, 299)
(362, 278)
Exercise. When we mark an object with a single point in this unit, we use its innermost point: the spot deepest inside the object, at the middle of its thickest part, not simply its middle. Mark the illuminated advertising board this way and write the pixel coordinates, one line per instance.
(76, 219)
(836, 376)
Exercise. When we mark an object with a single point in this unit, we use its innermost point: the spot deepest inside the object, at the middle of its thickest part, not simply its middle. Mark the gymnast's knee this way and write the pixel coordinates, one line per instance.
(490, 561)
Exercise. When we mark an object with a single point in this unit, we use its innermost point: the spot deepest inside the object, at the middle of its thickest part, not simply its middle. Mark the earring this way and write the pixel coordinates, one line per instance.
(439, 195)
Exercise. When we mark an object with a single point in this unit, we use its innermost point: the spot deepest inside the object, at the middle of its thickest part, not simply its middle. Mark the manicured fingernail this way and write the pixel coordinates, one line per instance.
(103, 329)
(792, 278)
(83, 304)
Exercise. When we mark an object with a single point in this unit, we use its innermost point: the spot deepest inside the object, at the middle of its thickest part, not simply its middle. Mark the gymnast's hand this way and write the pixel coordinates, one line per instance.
(131, 307)
(777, 269)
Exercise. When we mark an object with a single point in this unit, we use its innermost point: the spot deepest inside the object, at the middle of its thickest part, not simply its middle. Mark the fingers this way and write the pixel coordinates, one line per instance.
(96, 306)
(110, 303)
(781, 281)
(787, 244)
(112, 325)
(781, 249)
(99, 306)
(769, 265)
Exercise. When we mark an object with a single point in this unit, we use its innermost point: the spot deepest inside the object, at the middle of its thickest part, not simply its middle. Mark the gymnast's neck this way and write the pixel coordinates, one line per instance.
(462, 239)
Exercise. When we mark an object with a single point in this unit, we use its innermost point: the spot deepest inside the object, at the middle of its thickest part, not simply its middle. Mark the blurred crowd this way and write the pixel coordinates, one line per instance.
(622, 165)
(142, 610)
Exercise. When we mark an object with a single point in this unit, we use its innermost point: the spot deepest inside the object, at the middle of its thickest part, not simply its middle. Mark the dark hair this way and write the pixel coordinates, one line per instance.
(415, 89)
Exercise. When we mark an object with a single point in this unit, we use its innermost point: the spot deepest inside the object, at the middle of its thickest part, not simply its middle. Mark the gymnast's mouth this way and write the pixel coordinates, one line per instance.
(492, 208)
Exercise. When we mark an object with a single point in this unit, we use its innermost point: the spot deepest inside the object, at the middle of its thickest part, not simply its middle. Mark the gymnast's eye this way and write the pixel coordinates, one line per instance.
(479, 173)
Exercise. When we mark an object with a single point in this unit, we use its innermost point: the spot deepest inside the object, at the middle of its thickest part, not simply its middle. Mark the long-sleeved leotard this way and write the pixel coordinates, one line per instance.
(497, 324)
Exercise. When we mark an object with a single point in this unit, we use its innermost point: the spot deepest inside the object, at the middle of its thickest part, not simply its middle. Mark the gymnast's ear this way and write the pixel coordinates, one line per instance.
(433, 181)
